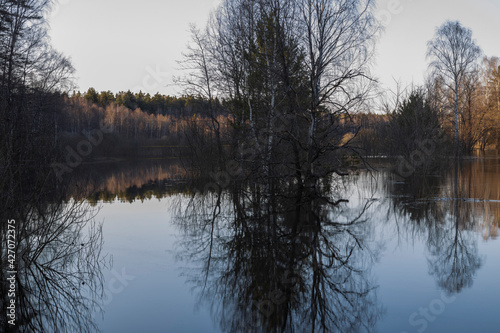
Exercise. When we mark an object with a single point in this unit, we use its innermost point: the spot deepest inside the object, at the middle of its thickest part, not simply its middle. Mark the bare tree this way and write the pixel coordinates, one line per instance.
(199, 65)
(453, 54)
(196, 62)
(287, 71)
(338, 37)
(32, 74)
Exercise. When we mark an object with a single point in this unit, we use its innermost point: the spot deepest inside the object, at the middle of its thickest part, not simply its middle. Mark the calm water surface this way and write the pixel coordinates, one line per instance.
(418, 255)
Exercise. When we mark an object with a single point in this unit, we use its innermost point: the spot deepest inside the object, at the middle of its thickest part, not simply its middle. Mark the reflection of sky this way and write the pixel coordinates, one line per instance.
(406, 285)
(140, 238)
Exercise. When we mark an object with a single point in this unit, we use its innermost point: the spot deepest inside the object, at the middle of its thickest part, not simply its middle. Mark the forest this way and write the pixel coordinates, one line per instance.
(295, 91)
(137, 116)
(396, 125)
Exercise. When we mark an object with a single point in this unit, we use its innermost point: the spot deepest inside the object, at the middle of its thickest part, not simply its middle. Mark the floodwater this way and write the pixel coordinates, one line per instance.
(370, 252)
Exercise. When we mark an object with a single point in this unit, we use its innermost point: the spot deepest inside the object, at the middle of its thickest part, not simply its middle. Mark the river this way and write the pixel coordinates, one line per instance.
(371, 252)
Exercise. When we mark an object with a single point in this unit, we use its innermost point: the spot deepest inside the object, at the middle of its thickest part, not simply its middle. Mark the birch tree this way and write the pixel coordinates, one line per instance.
(453, 53)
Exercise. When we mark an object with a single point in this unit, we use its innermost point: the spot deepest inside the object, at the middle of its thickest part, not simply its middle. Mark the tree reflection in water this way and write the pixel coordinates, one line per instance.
(273, 261)
(454, 253)
(454, 257)
(439, 210)
(58, 260)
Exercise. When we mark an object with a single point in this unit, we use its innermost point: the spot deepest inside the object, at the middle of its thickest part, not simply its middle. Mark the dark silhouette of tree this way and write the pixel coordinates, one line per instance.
(289, 72)
(32, 75)
(415, 133)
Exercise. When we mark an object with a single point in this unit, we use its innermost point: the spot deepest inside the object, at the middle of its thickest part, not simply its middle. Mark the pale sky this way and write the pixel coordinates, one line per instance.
(119, 45)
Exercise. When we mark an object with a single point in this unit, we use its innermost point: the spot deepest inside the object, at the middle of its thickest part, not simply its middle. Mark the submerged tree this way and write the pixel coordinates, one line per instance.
(289, 72)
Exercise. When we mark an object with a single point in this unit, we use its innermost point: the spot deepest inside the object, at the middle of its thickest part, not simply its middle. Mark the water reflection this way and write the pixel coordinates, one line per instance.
(57, 284)
(419, 198)
(453, 255)
(128, 181)
(447, 211)
(270, 258)
(280, 260)
(425, 200)
(454, 252)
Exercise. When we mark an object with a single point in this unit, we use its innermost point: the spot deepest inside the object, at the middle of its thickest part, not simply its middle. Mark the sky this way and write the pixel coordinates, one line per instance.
(121, 45)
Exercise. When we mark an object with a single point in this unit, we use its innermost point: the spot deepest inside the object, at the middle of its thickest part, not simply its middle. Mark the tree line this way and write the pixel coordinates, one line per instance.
(185, 105)
(281, 86)
(132, 116)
